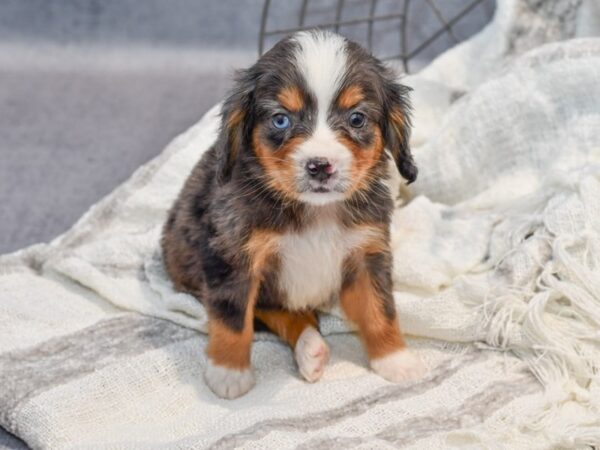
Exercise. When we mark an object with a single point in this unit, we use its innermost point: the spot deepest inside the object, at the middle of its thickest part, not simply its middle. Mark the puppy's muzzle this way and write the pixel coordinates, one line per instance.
(320, 169)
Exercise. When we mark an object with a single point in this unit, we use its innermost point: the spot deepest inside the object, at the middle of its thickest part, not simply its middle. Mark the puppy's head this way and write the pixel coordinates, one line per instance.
(314, 115)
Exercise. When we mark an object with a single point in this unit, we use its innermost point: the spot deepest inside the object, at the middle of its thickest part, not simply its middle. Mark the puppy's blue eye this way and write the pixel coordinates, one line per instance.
(281, 121)
(357, 120)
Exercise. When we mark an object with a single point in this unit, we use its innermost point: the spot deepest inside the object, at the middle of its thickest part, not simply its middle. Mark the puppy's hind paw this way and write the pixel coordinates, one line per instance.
(399, 366)
(312, 353)
(228, 383)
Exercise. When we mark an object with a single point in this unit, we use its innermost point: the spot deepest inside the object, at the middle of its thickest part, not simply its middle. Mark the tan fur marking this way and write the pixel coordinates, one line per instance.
(378, 239)
(287, 325)
(350, 97)
(230, 348)
(291, 98)
(398, 121)
(279, 167)
(362, 305)
(364, 158)
(260, 247)
(227, 347)
(233, 121)
(235, 118)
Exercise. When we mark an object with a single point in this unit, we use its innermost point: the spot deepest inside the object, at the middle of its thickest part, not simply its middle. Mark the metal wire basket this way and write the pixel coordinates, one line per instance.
(419, 30)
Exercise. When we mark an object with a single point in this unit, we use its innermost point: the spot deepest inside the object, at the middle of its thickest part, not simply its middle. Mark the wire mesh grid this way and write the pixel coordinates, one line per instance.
(403, 17)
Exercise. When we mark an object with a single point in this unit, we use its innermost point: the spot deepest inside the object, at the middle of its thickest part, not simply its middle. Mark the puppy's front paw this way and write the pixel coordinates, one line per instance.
(312, 353)
(228, 383)
(399, 366)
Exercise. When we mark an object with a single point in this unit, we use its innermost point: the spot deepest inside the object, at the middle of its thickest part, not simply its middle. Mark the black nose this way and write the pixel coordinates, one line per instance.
(319, 169)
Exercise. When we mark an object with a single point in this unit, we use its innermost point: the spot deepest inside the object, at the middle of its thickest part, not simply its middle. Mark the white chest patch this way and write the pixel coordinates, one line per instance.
(311, 263)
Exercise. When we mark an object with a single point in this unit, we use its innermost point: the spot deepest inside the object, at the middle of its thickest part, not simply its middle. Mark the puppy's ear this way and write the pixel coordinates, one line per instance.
(236, 123)
(398, 125)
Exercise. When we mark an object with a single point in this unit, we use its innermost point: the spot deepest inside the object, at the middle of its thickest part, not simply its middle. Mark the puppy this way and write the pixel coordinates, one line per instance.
(289, 211)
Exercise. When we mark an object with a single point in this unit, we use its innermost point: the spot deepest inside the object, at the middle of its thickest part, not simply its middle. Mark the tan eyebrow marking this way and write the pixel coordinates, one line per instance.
(350, 96)
(291, 98)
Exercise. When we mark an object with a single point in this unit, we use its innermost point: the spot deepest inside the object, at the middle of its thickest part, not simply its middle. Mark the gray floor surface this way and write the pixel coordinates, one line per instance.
(69, 138)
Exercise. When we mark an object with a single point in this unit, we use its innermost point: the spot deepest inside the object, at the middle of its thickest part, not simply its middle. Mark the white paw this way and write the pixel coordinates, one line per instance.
(228, 383)
(312, 353)
(399, 366)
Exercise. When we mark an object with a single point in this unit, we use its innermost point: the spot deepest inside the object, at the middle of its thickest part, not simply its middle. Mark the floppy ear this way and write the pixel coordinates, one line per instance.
(236, 124)
(398, 125)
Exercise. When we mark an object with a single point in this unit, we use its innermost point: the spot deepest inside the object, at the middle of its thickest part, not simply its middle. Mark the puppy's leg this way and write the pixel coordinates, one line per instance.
(231, 310)
(299, 330)
(230, 331)
(367, 300)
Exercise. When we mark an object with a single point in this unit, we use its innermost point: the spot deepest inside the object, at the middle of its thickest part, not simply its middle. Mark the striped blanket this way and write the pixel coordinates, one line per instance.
(496, 280)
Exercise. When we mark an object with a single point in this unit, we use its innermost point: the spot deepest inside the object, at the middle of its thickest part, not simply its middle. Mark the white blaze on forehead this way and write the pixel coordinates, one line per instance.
(321, 59)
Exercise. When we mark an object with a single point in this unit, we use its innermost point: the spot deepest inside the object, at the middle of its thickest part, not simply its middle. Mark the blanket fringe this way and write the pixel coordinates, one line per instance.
(552, 322)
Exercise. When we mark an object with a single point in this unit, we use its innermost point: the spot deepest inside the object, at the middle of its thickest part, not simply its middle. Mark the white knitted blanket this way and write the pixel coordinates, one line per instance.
(497, 275)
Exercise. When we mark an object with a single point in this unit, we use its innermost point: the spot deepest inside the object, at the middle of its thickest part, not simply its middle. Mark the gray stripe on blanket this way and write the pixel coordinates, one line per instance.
(26, 373)
(317, 420)
(472, 412)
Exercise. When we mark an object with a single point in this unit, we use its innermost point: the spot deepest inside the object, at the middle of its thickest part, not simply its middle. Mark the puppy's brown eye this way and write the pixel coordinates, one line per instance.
(357, 120)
